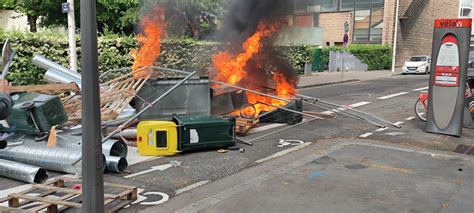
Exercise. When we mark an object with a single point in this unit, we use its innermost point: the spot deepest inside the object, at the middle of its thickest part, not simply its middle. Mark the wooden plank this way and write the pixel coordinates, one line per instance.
(10, 209)
(48, 88)
(52, 208)
(44, 200)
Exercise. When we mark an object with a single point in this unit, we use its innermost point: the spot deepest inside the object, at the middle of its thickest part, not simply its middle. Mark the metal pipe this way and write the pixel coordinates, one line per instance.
(116, 164)
(54, 76)
(149, 106)
(51, 158)
(47, 64)
(349, 109)
(3, 144)
(293, 111)
(129, 134)
(23, 172)
(251, 91)
(6, 67)
(116, 148)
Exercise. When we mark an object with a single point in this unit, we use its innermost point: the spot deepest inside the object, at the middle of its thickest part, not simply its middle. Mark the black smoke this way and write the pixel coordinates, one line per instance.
(241, 21)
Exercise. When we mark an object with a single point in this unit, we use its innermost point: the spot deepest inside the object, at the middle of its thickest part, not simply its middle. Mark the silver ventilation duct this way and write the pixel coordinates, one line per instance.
(22, 172)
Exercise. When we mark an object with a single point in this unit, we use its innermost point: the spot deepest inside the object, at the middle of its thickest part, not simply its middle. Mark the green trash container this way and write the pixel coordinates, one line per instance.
(204, 132)
(35, 113)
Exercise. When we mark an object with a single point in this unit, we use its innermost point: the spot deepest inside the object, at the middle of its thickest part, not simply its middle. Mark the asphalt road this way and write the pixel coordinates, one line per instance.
(390, 98)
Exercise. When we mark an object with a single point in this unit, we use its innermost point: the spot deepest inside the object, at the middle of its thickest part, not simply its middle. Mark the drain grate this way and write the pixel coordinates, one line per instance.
(464, 149)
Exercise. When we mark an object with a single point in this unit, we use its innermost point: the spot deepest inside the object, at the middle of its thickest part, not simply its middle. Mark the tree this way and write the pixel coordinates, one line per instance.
(199, 17)
(34, 9)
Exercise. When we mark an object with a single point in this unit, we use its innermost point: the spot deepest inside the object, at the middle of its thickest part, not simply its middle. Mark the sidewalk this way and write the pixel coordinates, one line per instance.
(328, 78)
(340, 176)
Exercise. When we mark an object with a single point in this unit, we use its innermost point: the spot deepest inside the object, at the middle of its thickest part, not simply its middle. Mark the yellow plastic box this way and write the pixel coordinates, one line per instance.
(157, 138)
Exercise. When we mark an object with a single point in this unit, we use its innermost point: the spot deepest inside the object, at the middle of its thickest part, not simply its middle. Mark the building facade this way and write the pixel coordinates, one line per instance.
(373, 22)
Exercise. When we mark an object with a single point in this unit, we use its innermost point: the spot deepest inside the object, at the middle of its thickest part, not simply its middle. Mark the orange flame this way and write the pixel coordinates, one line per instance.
(231, 70)
(153, 25)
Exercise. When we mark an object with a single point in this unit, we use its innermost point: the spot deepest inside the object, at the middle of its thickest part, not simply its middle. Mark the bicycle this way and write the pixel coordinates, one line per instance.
(421, 104)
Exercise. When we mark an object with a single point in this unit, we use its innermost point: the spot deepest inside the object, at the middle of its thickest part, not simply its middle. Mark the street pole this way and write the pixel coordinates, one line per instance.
(92, 171)
(71, 27)
(394, 58)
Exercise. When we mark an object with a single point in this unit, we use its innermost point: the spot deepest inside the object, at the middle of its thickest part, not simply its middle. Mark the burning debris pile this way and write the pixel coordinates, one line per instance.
(250, 60)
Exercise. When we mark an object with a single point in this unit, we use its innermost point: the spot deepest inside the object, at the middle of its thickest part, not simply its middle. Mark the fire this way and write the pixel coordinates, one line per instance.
(153, 25)
(232, 69)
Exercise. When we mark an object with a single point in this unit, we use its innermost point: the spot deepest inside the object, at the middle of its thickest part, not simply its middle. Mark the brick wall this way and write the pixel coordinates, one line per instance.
(415, 30)
(333, 26)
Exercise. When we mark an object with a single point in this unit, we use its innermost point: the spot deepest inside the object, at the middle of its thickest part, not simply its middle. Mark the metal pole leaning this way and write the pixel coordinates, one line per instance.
(92, 166)
(145, 109)
(149, 106)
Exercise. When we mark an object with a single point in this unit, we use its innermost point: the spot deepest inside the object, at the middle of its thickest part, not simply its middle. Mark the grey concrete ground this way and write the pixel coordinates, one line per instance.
(341, 176)
(159, 188)
(329, 78)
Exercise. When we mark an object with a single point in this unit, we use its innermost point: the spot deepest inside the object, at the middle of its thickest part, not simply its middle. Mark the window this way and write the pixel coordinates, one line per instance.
(328, 5)
(368, 21)
(347, 4)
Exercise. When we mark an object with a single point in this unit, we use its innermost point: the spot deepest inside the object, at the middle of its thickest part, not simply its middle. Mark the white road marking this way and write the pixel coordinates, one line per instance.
(421, 89)
(154, 168)
(410, 118)
(366, 135)
(191, 187)
(363, 103)
(398, 123)
(381, 129)
(392, 95)
(284, 152)
(264, 128)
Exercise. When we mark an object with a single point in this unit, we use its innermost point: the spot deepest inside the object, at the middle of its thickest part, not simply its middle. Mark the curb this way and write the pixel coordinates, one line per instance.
(326, 84)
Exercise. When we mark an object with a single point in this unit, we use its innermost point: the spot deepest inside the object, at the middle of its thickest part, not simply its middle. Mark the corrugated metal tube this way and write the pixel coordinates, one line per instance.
(116, 164)
(51, 158)
(22, 172)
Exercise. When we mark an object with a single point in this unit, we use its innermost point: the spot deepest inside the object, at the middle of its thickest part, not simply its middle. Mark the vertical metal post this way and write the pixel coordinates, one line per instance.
(92, 171)
(394, 56)
(71, 26)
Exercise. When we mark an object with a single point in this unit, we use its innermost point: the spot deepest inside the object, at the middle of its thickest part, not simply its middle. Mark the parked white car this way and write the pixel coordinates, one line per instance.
(417, 64)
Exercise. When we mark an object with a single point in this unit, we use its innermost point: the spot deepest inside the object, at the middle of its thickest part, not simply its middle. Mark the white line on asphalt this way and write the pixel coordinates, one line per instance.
(392, 95)
(421, 89)
(191, 187)
(381, 129)
(398, 123)
(363, 103)
(366, 135)
(410, 118)
(154, 168)
(266, 127)
(284, 152)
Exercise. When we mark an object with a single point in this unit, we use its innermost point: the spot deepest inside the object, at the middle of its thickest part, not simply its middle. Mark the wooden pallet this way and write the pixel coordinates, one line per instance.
(115, 96)
(65, 197)
(243, 125)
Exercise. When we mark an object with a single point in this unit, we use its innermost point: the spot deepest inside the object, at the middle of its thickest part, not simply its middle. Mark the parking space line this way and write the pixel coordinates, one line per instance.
(191, 187)
(410, 118)
(421, 89)
(381, 129)
(362, 103)
(398, 123)
(266, 127)
(365, 135)
(392, 95)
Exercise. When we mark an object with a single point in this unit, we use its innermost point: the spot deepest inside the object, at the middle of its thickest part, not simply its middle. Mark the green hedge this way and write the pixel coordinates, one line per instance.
(114, 53)
(377, 57)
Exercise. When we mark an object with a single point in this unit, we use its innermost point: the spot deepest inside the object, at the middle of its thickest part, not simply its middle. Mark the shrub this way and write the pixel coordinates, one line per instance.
(377, 57)
(114, 52)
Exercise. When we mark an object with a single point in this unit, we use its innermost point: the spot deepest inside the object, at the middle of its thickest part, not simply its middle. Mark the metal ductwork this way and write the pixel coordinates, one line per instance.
(116, 148)
(56, 73)
(116, 164)
(22, 172)
(51, 158)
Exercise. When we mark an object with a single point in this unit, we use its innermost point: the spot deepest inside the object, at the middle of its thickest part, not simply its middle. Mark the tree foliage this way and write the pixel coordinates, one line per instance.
(199, 17)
